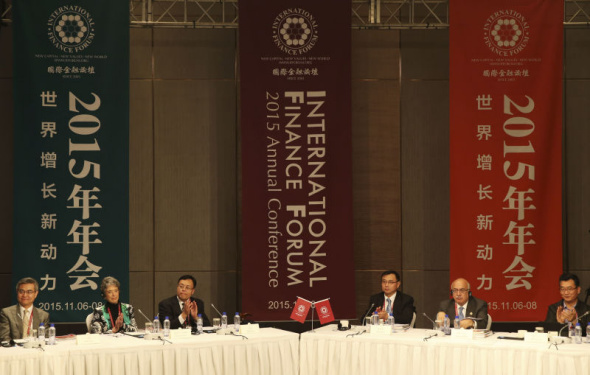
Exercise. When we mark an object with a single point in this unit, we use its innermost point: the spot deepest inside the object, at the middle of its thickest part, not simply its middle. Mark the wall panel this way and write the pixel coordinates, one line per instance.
(425, 175)
(141, 176)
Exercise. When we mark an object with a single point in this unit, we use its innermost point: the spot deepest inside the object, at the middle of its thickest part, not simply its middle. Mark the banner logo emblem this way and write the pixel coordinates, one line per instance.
(506, 33)
(70, 29)
(324, 310)
(295, 31)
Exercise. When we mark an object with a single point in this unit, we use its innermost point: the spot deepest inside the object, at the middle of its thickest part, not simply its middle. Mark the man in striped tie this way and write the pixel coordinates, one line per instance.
(472, 312)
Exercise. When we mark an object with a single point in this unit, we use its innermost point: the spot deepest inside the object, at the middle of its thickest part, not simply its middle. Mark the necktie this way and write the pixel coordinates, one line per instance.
(388, 308)
(181, 310)
(25, 323)
(461, 316)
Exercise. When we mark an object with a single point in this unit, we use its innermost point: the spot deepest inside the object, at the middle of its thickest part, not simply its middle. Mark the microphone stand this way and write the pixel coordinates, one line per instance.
(142, 314)
(427, 317)
(367, 314)
(561, 329)
(215, 308)
(218, 313)
(578, 319)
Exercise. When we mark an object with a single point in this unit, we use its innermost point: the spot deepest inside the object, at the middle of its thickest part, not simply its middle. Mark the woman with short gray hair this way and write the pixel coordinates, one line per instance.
(113, 316)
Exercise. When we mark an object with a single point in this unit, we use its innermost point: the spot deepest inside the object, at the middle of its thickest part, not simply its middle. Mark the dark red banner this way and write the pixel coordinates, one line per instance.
(295, 88)
(505, 153)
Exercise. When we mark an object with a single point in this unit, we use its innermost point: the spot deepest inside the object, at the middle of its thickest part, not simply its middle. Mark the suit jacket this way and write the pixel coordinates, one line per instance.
(11, 324)
(171, 308)
(476, 308)
(100, 325)
(581, 308)
(403, 306)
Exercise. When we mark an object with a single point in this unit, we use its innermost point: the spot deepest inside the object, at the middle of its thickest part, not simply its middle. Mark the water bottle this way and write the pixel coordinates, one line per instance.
(200, 323)
(51, 335)
(456, 324)
(391, 322)
(588, 333)
(224, 320)
(166, 327)
(237, 322)
(375, 319)
(578, 334)
(447, 325)
(41, 332)
(156, 328)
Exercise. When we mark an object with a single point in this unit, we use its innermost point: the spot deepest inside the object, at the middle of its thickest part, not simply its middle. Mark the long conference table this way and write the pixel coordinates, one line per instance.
(323, 351)
(329, 351)
(271, 351)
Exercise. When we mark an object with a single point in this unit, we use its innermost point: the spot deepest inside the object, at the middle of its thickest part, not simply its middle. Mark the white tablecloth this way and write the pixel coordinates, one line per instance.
(328, 351)
(271, 351)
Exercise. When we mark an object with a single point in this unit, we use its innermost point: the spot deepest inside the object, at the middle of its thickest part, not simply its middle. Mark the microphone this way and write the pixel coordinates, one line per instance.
(427, 317)
(367, 313)
(142, 314)
(439, 331)
(583, 315)
(566, 324)
(212, 305)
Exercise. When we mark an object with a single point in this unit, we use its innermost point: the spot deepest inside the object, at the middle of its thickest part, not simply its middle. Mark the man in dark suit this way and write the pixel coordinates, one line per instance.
(465, 306)
(392, 300)
(569, 308)
(19, 321)
(182, 309)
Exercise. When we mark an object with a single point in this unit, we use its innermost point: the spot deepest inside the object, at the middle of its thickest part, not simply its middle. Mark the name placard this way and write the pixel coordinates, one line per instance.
(465, 334)
(380, 330)
(87, 339)
(247, 329)
(536, 337)
(180, 333)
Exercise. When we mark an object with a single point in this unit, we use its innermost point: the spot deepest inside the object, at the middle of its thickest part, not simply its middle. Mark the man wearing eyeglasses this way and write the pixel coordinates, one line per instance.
(472, 312)
(19, 321)
(570, 307)
(392, 300)
(183, 308)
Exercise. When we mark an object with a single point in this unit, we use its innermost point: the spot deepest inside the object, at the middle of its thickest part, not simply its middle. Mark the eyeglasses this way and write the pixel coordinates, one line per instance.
(459, 290)
(28, 292)
(388, 282)
(185, 287)
(568, 289)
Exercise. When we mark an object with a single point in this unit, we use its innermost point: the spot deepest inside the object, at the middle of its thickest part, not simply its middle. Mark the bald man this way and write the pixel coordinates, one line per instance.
(464, 305)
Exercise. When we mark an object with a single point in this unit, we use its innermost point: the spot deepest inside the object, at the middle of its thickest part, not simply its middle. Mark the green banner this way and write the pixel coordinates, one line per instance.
(71, 150)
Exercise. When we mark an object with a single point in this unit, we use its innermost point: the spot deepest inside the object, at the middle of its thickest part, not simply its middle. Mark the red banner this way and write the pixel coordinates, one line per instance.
(325, 313)
(300, 310)
(295, 87)
(505, 152)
